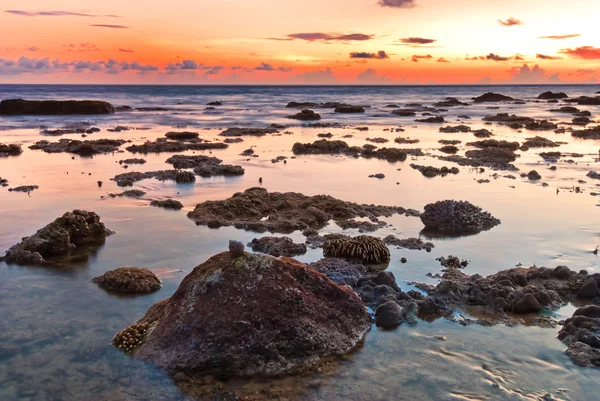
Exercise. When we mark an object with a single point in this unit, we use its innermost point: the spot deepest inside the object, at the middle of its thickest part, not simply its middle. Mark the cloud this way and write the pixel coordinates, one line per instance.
(327, 37)
(583, 71)
(584, 52)
(370, 77)
(264, 67)
(417, 41)
(285, 69)
(82, 47)
(380, 55)
(110, 26)
(535, 75)
(416, 58)
(214, 70)
(185, 65)
(560, 37)
(318, 77)
(510, 22)
(55, 14)
(442, 60)
(495, 57)
(546, 57)
(32, 49)
(124, 50)
(518, 57)
(397, 3)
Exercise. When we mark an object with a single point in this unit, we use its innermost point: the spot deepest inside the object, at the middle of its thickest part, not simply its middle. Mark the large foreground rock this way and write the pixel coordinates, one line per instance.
(581, 333)
(54, 107)
(247, 316)
(456, 218)
(61, 237)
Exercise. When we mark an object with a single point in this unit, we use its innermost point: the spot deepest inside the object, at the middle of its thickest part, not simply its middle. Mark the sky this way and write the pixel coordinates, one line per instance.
(300, 42)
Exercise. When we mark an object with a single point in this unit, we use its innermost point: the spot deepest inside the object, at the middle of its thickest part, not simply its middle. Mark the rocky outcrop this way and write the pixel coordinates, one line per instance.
(493, 143)
(127, 179)
(249, 316)
(181, 136)
(457, 218)
(456, 129)
(492, 156)
(412, 243)
(72, 232)
(258, 210)
(81, 148)
(277, 246)
(167, 204)
(430, 171)
(235, 132)
(434, 120)
(492, 97)
(11, 149)
(54, 107)
(349, 109)
(128, 280)
(305, 115)
(324, 146)
(164, 145)
(590, 133)
(552, 95)
(540, 142)
(205, 166)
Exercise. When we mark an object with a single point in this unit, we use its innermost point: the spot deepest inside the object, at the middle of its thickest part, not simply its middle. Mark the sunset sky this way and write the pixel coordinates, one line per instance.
(300, 41)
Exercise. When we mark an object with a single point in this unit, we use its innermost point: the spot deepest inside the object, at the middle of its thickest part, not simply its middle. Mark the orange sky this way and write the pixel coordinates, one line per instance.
(300, 41)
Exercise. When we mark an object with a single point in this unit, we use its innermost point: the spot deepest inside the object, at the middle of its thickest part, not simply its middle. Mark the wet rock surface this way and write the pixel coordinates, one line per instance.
(581, 334)
(324, 146)
(252, 315)
(305, 115)
(493, 143)
(132, 193)
(73, 231)
(10, 150)
(164, 145)
(54, 107)
(82, 148)
(284, 212)
(24, 188)
(552, 95)
(457, 218)
(205, 166)
(277, 246)
(128, 280)
(492, 97)
(430, 171)
(409, 243)
(181, 136)
(128, 179)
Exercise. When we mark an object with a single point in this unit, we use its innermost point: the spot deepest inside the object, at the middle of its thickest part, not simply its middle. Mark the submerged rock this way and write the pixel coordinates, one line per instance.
(277, 246)
(409, 243)
(349, 109)
(430, 171)
(167, 204)
(59, 238)
(181, 136)
(10, 150)
(435, 120)
(164, 145)
(128, 280)
(494, 143)
(54, 107)
(457, 218)
(252, 315)
(248, 132)
(258, 210)
(205, 166)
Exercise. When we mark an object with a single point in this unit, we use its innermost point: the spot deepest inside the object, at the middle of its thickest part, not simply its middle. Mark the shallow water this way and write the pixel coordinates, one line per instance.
(56, 325)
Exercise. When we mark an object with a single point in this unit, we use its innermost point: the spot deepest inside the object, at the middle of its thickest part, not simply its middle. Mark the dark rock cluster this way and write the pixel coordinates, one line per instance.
(128, 280)
(457, 218)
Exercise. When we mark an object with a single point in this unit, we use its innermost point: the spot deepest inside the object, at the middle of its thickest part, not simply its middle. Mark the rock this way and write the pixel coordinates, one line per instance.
(430, 171)
(277, 246)
(404, 112)
(24, 188)
(132, 193)
(589, 289)
(450, 102)
(349, 109)
(401, 140)
(593, 175)
(527, 304)
(305, 115)
(492, 97)
(167, 204)
(378, 175)
(551, 95)
(452, 262)
(214, 103)
(592, 311)
(236, 132)
(534, 175)
(129, 280)
(258, 210)
(74, 231)
(453, 130)
(324, 146)
(181, 136)
(164, 145)
(54, 107)
(233, 140)
(83, 148)
(184, 177)
(341, 271)
(389, 315)
(10, 150)
(482, 133)
(300, 104)
(581, 334)
(493, 143)
(540, 142)
(363, 248)
(132, 161)
(450, 149)
(581, 121)
(436, 120)
(386, 278)
(236, 248)
(457, 218)
(590, 133)
(251, 316)
(492, 156)
(205, 166)
(506, 118)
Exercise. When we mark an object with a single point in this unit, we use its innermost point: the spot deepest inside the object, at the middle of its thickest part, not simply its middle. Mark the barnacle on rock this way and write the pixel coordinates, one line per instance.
(365, 248)
(130, 338)
(183, 177)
